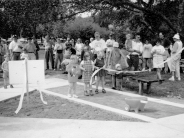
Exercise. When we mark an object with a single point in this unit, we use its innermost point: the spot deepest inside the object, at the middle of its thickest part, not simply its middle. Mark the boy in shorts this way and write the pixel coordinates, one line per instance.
(6, 71)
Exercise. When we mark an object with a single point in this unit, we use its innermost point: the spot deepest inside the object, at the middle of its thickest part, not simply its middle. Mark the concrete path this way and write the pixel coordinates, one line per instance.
(167, 127)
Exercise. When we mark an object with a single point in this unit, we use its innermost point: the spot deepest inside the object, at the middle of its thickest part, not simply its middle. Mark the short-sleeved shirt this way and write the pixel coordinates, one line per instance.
(147, 51)
(98, 45)
(48, 45)
(79, 47)
(159, 49)
(59, 46)
(137, 46)
(30, 47)
(14, 46)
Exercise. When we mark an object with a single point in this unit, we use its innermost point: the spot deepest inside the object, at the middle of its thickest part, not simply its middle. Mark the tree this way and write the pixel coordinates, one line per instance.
(25, 15)
(83, 28)
(154, 15)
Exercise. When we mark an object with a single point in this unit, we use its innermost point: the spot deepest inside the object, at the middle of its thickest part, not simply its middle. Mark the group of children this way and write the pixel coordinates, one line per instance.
(86, 67)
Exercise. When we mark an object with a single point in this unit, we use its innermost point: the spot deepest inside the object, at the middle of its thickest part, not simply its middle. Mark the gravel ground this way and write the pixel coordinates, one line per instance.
(57, 108)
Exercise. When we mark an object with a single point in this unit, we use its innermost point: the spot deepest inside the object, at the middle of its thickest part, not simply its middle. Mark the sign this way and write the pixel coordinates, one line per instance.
(36, 72)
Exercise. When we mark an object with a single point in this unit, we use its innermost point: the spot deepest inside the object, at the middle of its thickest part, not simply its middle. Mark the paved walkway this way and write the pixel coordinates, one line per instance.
(167, 127)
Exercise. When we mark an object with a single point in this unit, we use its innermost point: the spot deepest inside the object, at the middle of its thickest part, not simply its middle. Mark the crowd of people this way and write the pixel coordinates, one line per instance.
(79, 58)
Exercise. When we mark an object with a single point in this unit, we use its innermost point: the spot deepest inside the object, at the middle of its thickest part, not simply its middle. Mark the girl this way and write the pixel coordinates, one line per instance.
(99, 63)
(146, 54)
(158, 53)
(73, 70)
(87, 66)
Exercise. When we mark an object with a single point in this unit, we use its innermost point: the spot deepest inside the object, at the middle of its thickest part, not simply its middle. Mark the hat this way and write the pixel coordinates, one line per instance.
(109, 42)
(116, 44)
(176, 36)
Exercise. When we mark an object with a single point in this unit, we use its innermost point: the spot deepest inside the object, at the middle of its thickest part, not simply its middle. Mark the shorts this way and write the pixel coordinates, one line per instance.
(5, 75)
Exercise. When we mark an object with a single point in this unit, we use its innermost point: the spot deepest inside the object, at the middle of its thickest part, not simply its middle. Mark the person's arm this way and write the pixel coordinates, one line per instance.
(55, 47)
(174, 48)
(81, 66)
(94, 64)
(68, 67)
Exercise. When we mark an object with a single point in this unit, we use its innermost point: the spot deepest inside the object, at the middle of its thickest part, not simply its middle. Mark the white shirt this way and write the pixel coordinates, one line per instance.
(137, 46)
(79, 47)
(59, 46)
(159, 50)
(14, 46)
(147, 51)
(98, 45)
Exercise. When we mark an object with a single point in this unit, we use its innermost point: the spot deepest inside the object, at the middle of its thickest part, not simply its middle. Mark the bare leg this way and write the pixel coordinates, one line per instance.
(97, 82)
(5, 83)
(70, 89)
(113, 81)
(102, 81)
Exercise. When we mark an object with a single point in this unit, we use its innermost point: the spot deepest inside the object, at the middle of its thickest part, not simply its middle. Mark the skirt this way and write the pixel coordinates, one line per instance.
(86, 76)
(101, 73)
(158, 60)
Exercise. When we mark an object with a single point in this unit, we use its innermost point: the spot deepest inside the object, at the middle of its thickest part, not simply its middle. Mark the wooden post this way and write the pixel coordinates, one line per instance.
(27, 88)
(140, 87)
(148, 87)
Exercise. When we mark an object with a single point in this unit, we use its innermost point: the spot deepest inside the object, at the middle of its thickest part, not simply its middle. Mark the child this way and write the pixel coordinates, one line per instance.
(67, 54)
(24, 55)
(6, 71)
(99, 63)
(73, 70)
(146, 54)
(158, 53)
(87, 66)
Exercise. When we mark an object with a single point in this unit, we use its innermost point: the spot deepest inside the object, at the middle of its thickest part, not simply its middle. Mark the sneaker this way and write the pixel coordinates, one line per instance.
(96, 91)
(171, 79)
(75, 96)
(11, 86)
(69, 96)
(91, 92)
(103, 91)
(179, 79)
(143, 69)
(149, 69)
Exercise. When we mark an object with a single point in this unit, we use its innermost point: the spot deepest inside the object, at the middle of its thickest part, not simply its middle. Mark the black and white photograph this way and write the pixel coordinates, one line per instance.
(91, 68)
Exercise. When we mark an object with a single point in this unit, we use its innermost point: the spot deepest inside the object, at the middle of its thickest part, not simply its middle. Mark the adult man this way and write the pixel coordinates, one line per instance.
(164, 42)
(37, 48)
(48, 52)
(98, 45)
(31, 49)
(135, 51)
(176, 56)
(2, 53)
(15, 49)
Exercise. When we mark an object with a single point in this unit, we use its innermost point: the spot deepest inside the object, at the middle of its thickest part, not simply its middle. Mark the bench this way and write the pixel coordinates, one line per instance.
(141, 82)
